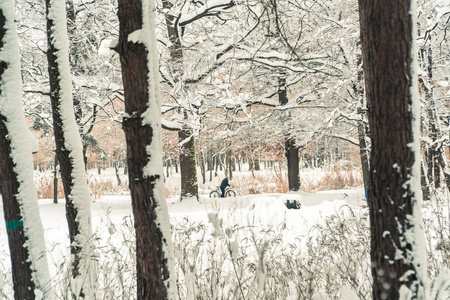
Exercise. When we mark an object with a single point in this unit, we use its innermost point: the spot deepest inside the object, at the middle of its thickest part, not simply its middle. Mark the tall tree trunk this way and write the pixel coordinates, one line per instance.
(434, 174)
(424, 182)
(229, 165)
(211, 169)
(251, 166)
(208, 160)
(202, 167)
(256, 165)
(397, 240)
(168, 166)
(189, 184)
(364, 154)
(116, 172)
(293, 165)
(291, 149)
(220, 161)
(142, 126)
(30, 272)
(55, 181)
(363, 131)
(442, 159)
(217, 162)
(69, 151)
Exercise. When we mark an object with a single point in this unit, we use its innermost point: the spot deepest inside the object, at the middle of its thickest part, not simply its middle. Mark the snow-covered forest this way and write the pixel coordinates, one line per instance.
(329, 119)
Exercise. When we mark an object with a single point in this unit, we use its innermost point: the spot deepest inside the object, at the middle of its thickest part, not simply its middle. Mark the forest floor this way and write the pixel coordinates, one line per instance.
(247, 247)
(112, 223)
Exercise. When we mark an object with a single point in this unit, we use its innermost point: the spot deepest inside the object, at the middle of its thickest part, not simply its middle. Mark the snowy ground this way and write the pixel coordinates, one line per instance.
(316, 206)
(257, 211)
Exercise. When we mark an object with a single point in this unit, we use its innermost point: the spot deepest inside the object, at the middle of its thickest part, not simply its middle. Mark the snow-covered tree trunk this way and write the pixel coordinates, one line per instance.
(397, 239)
(69, 150)
(30, 272)
(142, 126)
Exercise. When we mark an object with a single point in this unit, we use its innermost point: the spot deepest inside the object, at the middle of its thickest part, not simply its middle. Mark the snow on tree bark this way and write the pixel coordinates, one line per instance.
(397, 240)
(30, 272)
(142, 126)
(69, 151)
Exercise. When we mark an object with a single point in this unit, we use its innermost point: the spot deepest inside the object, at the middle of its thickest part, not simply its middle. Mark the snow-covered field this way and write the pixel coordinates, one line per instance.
(229, 235)
(248, 247)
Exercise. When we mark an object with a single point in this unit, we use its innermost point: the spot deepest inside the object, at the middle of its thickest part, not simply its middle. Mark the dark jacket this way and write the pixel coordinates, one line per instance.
(224, 184)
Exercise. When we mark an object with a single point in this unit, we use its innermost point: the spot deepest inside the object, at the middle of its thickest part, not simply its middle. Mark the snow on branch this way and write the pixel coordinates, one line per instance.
(221, 56)
(171, 125)
(344, 138)
(31, 90)
(212, 8)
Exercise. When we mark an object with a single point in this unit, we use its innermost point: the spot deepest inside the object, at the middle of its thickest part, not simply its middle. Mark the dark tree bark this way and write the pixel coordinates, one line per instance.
(14, 185)
(364, 154)
(116, 171)
(55, 181)
(221, 161)
(291, 149)
(189, 184)
(208, 160)
(62, 153)
(202, 166)
(211, 169)
(293, 165)
(24, 286)
(433, 151)
(154, 274)
(168, 166)
(256, 163)
(68, 149)
(394, 195)
(229, 165)
(363, 130)
(251, 166)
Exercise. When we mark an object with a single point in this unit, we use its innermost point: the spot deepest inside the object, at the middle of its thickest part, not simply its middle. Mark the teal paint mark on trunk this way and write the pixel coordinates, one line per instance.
(11, 225)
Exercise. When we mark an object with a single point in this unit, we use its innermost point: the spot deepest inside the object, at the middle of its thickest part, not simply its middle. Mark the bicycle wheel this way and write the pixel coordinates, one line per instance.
(230, 193)
(214, 194)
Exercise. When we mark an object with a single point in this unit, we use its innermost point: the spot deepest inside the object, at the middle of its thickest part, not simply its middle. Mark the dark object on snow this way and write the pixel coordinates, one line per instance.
(293, 204)
(223, 186)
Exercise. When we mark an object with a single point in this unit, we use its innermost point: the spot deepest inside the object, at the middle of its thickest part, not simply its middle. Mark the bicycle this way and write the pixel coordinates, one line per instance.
(229, 192)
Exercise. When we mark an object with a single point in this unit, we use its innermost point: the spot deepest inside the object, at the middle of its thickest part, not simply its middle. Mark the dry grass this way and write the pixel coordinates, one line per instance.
(99, 186)
(334, 179)
(44, 186)
(267, 182)
(263, 182)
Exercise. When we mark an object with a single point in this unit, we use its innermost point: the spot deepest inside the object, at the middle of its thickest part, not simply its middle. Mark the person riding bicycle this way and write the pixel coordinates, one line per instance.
(223, 186)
